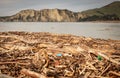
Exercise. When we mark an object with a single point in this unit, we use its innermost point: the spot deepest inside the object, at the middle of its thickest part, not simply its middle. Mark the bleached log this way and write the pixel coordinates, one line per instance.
(32, 74)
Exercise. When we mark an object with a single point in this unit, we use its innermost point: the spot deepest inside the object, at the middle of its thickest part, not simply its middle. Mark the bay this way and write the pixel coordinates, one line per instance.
(87, 29)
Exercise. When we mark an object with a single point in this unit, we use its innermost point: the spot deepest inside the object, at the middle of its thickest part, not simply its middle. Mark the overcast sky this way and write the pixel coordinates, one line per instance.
(10, 7)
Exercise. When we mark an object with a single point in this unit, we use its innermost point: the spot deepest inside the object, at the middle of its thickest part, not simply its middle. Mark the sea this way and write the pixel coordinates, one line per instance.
(87, 29)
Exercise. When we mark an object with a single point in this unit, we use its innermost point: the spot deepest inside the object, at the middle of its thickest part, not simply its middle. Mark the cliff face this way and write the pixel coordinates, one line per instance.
(46, 15)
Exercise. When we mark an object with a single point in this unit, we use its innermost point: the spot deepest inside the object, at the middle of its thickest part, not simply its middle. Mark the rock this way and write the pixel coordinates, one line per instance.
(45, 15)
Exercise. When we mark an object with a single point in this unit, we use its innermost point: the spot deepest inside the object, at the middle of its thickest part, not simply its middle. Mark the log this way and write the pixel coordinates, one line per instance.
(114, 73)
(2, 63)
(32, 74)
(5, 76)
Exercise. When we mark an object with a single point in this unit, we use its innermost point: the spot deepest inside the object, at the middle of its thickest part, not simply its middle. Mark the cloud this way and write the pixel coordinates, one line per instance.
(3, 2)
(13, 6)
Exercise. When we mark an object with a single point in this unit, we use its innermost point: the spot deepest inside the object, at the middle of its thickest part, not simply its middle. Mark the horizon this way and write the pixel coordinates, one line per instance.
(10, 7)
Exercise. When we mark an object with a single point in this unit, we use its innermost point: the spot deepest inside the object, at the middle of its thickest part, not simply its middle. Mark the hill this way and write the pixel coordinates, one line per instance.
(110, 12)
(45, 15)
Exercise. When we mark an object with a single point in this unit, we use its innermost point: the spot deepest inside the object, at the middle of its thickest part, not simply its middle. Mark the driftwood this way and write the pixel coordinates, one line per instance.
(2, 63)
(114, 73)
(78, 56)
(32, 74)
(106, 57)
(5, 76)
(105, 69)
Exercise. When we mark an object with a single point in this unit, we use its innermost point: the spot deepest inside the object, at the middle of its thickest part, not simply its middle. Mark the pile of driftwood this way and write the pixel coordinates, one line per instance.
(45, 55)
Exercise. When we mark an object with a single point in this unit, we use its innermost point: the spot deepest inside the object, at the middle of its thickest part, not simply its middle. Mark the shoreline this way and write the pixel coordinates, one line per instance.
(61, 34)
(70, 22)
(106, 21)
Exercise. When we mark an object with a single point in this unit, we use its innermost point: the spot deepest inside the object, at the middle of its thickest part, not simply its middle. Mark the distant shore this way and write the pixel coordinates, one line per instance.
(73, 22)
(105, 21)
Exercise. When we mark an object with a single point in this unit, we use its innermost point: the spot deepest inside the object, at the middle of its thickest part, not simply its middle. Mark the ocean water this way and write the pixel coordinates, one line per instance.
(87, 29)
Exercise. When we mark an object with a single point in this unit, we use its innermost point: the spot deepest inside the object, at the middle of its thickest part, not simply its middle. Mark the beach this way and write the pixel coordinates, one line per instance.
(50, 55)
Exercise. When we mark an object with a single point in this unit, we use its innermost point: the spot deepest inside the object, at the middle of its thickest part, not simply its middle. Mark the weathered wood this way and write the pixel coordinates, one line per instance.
(39, 52)
(5, 76)
(32, 74)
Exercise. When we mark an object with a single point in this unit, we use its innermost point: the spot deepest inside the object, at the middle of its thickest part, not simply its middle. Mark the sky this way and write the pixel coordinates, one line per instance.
(10, 7)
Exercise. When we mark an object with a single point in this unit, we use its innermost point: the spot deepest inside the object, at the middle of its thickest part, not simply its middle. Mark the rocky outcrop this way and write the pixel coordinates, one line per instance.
(45, 15)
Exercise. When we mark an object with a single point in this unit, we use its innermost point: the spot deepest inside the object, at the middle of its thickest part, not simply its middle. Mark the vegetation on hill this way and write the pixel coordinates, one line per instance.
(108, 12)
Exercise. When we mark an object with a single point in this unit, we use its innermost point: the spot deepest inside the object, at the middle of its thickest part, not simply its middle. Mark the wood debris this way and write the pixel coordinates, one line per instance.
(46, 55)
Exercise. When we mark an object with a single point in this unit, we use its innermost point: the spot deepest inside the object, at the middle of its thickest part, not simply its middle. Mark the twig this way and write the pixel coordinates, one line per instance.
(82, 70)
(11, 42)
(108, 58)
(115, 56)
(115, 73)
(14, 63)
(105, 69)
(117, 59)
(54, 49)
(98, 77)
(90, 66)
(32, 74)
(87, 74)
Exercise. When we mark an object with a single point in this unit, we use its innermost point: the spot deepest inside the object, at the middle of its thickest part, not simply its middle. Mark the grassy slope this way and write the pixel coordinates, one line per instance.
(113, 8)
